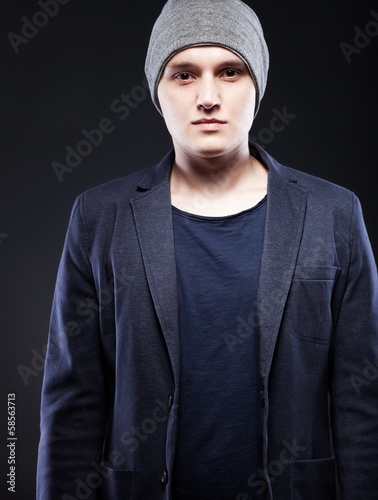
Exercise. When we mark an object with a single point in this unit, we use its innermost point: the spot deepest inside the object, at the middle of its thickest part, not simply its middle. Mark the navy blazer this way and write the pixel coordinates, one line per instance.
(111, 380)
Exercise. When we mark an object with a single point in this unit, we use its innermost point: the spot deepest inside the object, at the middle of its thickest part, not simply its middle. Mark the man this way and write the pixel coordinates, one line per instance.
(209, 308)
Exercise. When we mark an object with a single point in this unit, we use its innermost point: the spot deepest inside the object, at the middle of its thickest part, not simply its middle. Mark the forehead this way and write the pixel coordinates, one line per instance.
(205, 55)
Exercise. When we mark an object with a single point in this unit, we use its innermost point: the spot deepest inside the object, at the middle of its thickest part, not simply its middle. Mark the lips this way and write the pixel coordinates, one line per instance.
(208, 121)
(209, 125)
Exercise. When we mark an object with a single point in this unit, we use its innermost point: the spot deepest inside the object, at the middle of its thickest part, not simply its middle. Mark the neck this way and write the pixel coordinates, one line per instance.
(201, 171)
(219, 185)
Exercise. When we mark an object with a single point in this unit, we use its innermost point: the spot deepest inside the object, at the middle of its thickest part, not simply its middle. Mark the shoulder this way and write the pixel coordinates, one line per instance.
(318, 185)
(96, 210)
(326, 200)
(119, 192)
(100, 209)
(114, 191)
(320, 191)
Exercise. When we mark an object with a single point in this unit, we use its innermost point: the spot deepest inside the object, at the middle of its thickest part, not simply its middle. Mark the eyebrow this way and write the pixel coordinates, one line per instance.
(188, 66)
(181, 66)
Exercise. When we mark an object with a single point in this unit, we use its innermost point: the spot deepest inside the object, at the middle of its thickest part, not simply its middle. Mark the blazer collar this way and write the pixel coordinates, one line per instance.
(161, 171)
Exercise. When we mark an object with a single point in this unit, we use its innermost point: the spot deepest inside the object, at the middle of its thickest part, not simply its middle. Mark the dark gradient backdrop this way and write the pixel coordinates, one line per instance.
(69, 74)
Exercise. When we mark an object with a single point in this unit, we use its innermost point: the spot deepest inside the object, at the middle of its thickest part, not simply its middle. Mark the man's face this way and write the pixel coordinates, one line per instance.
(207, 97)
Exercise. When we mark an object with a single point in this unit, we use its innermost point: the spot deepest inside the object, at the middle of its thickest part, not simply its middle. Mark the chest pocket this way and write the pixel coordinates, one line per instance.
(308, 313)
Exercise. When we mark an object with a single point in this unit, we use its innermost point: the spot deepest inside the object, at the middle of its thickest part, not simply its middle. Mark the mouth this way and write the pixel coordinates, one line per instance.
(209, 125)
(208, 121)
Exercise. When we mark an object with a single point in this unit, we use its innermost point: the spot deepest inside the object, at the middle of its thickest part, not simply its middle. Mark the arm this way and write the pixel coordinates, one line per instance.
(354, 387)
(73, 409)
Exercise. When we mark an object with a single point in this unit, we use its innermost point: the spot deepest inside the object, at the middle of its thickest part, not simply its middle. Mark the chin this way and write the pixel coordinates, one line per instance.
(211, 148)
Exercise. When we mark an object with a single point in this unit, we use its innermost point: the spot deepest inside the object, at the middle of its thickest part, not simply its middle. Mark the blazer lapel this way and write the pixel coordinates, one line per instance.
(153, 220)
(283, 231)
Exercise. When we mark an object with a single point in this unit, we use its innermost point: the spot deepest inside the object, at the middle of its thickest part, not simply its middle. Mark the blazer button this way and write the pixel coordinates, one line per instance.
(164, 477)
(169, 401)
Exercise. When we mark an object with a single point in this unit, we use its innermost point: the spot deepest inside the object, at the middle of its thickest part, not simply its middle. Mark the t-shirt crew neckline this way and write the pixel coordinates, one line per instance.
(219, 218)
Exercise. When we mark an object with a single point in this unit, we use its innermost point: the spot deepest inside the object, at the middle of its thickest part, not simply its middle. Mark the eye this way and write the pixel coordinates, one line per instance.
(231, 73)
(183, 76)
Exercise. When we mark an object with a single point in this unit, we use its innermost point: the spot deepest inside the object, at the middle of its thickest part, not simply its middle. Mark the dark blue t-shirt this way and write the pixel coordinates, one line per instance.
(218, 265)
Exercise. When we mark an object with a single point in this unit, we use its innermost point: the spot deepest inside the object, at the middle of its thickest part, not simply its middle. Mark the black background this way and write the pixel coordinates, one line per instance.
(66, 78)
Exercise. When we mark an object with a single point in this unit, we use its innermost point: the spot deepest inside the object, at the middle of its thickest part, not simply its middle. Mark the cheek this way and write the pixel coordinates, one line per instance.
(240, 99)
(174, 112)
(245, 112)
(250, 100)
(163, 97)
(168, 103)
(160, 96)
(171, 115)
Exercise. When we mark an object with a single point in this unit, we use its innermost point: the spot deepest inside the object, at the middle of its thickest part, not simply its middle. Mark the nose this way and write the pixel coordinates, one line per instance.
(208, 94)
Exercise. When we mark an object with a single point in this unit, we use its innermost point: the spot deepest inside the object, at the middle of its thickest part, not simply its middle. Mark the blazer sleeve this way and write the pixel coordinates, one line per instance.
(73, 407)
(354, 384)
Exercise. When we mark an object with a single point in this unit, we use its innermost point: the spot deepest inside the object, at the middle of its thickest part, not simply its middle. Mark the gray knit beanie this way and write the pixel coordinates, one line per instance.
(228, 23)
